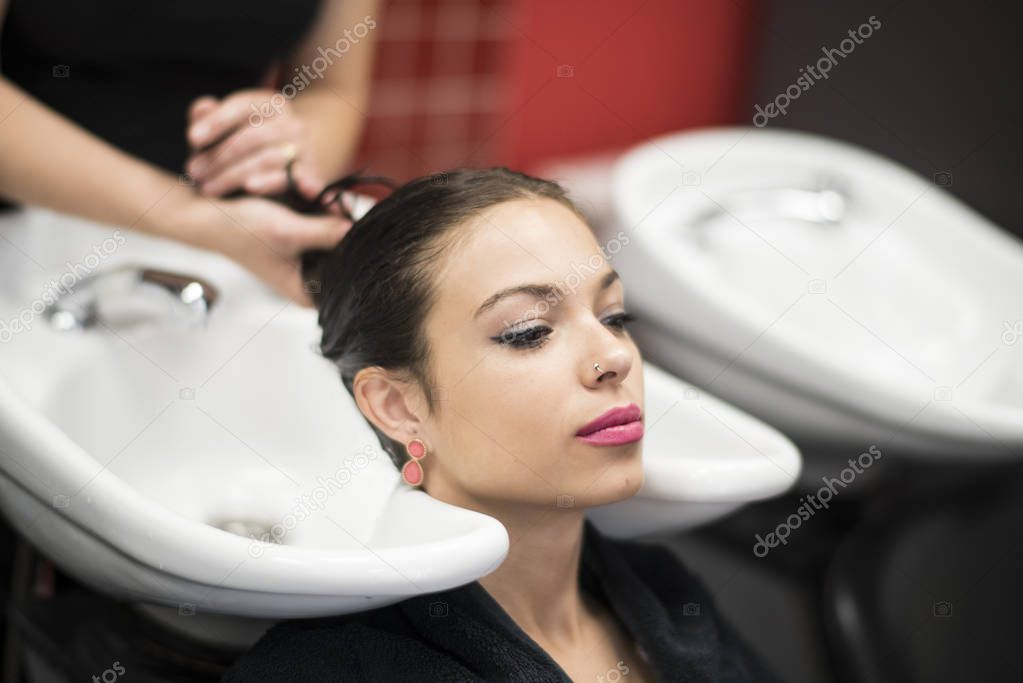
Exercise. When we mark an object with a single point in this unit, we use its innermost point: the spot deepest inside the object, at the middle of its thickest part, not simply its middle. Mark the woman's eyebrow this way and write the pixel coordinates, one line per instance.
(538, 291)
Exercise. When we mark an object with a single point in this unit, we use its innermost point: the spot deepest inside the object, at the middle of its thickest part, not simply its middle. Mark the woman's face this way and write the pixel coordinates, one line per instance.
(507, 406)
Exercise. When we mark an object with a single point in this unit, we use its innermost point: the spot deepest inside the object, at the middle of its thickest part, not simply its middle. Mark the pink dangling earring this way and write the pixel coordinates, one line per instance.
(412, 472)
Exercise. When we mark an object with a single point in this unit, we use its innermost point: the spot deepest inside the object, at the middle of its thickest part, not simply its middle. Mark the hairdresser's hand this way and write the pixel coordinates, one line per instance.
(245, 141)
(263, 236)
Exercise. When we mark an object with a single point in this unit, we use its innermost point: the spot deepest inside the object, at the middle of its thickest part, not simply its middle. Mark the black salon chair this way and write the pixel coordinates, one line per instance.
(927, 588)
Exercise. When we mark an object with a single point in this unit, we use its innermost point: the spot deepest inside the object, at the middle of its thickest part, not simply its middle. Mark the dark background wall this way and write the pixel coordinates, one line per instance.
(938, 87)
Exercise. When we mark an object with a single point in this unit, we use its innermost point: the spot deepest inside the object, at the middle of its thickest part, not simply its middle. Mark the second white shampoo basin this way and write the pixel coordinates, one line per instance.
(825, 289)
(143, 460)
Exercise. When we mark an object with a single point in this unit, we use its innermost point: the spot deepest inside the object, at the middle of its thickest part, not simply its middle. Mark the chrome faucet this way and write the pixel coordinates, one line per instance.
(80, 307)
(825, 201)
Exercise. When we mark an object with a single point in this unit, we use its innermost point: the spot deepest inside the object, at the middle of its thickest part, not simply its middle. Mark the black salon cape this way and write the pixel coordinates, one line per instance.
(463, 634)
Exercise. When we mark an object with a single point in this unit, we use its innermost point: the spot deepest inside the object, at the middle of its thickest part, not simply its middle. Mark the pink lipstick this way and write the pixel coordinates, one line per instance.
(615, 427)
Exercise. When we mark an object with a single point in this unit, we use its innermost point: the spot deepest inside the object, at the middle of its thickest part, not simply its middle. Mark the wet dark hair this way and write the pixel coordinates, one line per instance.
(375, 288)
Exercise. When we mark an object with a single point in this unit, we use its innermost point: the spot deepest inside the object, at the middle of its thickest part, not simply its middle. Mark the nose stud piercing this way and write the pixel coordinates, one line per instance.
(412, 472)
(596, 366)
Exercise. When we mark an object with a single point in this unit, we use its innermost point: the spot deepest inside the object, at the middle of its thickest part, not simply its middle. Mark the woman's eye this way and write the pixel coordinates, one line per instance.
(535, 337)
(531, 338)
(619, 320)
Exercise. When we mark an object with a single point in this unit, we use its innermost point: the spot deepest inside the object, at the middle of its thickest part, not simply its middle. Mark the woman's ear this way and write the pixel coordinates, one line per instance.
(388, 403)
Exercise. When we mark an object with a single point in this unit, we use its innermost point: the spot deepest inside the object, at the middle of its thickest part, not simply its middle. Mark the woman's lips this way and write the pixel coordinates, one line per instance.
(614, 427)
(616, 435)
(612, 417)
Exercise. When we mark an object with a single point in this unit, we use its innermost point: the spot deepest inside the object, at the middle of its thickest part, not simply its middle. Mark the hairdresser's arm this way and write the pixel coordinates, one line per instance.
(241, 141)
(48, 160)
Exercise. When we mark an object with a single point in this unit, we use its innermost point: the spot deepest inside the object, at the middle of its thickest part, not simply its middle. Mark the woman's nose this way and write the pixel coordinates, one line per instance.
(610, 362)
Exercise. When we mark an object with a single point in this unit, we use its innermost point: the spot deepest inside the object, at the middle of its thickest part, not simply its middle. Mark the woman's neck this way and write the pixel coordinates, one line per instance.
(538, 582)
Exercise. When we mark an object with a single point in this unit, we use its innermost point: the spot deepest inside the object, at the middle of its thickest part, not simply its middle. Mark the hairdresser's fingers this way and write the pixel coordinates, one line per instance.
(243, 143)
(215, 159)
(286, 279)
(283, 275)
(266, 238)
(200, 107)
(306, 232)
(266, 182)
(308, 180)
(234, 177)
(300, 296)
(235, 110)
(343, 207)
(260, 225)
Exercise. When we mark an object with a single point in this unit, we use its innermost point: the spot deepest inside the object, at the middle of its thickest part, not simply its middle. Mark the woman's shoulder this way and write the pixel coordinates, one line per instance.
(371, 645)
(298, 649)
(691, 608)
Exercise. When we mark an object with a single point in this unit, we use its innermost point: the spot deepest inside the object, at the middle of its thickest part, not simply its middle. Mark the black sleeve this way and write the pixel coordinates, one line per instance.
(351, 652)
(288, 653)
(748, 664)
(678, 588)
